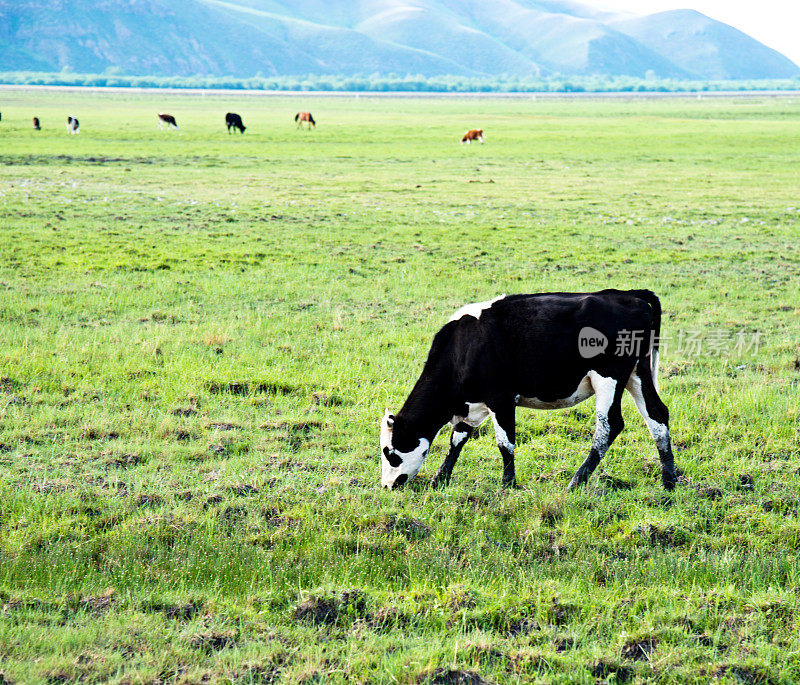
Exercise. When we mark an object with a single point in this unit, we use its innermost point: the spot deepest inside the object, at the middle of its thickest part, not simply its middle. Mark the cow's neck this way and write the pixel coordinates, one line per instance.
(427, 408)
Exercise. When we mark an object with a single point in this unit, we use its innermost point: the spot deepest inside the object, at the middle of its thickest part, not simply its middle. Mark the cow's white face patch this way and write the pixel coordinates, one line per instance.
(475, 309)
(399, 467)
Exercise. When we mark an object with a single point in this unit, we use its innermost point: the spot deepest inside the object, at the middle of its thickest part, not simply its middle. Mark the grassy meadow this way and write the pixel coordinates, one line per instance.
(199, 333)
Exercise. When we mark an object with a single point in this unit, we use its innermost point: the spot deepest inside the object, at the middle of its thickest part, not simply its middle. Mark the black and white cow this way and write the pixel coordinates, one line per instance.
(73, 125)
(233, 120)
(543, 351)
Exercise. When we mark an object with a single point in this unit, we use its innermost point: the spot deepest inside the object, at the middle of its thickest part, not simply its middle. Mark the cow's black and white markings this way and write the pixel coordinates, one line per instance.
(73, 125)
(526, 350)
(233, 120)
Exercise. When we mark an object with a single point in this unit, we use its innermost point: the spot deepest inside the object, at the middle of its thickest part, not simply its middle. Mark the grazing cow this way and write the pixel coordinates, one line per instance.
(233, 120)
(36, 125)
(73, 125)
(544, 351)
(167, 119)
(473, 134)
(300, 117)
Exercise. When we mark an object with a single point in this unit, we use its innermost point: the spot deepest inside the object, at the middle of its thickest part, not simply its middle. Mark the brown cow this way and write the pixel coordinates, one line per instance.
(473, 134)
(300, 117)
(167, 119)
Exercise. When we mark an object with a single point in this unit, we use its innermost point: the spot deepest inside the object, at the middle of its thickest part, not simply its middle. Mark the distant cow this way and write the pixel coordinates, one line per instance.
(544, 351)
(473, 134)
(36, 125)
(233, 120)
(300, 117)
(167, 119)
(73, 125)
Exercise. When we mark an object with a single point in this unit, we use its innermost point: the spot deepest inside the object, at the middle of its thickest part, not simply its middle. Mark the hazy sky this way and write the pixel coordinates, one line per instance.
(774, 22)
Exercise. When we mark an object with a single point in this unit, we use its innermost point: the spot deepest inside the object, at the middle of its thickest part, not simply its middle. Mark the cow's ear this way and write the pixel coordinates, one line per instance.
(389, 418)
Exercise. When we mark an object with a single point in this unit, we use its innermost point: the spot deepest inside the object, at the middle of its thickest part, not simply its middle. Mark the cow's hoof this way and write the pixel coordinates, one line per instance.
(576, 482)
(512, 485)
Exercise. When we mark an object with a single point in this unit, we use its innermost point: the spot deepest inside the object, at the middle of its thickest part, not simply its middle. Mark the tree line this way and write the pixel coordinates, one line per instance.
(395, 83)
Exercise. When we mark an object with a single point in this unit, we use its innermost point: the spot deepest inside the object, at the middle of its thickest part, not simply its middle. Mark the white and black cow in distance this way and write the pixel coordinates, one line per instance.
(73, 125)
(543, 351)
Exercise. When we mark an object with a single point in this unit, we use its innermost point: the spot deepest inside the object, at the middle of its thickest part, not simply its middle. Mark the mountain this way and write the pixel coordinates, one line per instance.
(706, 48)
(428, 37)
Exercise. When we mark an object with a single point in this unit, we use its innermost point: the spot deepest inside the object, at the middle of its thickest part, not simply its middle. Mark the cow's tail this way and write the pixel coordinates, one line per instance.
(655, 304)
(296, 117)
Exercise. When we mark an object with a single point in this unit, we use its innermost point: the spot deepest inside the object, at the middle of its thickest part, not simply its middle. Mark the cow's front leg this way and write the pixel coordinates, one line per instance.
(461, 433)
(505, 433)
(609, 425)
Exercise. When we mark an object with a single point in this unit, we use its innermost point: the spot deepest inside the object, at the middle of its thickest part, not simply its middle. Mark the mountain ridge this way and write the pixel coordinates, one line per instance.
(522, 38)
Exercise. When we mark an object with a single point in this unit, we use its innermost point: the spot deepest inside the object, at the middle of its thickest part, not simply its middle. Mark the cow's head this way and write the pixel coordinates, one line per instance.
(402, 454)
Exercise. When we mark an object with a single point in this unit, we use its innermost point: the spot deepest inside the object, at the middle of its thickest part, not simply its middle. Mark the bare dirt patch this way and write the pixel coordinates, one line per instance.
(148, 499)
(613, 483)
(411, 529)
(605, 668)
(639, 650)
(99, 604)
(452, 676)
(180, 611)
(125, 461)
(243, 490)
(331, 610)
(251, 387)
(223, 426)
(94, 433)
(748, 675)
(213, 640)
(709, 492)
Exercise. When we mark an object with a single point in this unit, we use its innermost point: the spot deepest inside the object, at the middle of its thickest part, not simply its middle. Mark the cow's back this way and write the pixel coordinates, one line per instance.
(531, 342)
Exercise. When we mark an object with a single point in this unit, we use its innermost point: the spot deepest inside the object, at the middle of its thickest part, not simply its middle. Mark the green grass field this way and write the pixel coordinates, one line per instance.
(199, 334)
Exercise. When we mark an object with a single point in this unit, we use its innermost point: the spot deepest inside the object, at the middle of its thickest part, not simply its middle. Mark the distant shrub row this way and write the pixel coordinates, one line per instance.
(395, 83)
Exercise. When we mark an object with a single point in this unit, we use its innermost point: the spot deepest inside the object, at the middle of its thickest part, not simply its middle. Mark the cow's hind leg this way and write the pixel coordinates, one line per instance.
(461, 433)
(656, 415)
(504, 420)
(609, 425)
